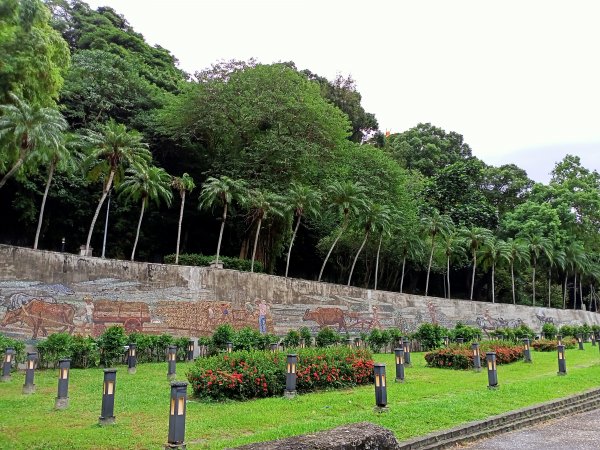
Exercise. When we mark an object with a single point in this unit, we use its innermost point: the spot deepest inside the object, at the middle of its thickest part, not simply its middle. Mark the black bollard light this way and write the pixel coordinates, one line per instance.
(302, 343)
(290, 376)
(349, 343)
(406, 348)
(274, 347)
(476, 357)
(131, 359)
(526, 351)
(62, 399)
(229, 347)
(492, 371)
(190, 350)
(399, 353)
(177, 416)
(380, 388)
(446, 341)
(580, 341)
(562, 363)
(559, 339)
(357, 342)
(29, 386)
(107, 414)
(172, 362)
(9, 356)
(460, 341)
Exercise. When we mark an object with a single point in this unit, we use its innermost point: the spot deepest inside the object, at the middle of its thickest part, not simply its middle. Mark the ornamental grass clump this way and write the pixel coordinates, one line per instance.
(461, 357)
(254, 374)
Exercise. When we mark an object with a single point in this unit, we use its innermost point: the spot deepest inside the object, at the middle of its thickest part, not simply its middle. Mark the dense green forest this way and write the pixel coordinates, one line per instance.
(270, 163)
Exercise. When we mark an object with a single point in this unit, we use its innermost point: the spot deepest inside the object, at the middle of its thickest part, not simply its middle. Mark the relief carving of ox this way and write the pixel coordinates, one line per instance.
(38, 315)
(326, 316)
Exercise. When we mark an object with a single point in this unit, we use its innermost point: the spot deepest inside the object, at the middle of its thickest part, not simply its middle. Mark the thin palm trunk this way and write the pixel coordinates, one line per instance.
(102, 198)
(41, 218)
(12, 171)
(332, 246)
(448, 276)
(221, 232)
(565, 291)
(179, 227)
(137, 234)
(473, 275)
(549, 285)
(575, 291)
(287, 264)
(377, 261)
(429, 266)
(533, 282)
(255, 244)
(512, 277)
(493, 283)
(356, 257)
(402, 277)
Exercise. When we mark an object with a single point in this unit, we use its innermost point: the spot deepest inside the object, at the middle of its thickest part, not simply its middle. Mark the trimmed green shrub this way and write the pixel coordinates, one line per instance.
(549, 330)
(18, 346)
(84, 352)
(461, 357)
(430, 335)
(466, 332)
(247, 339)
(198, 259)
(54, 347)
(222, 335)
(377, 339)
(306, 335)
(327, 337)
(111, 345)
(292, 339)
(548, 345)
(244, 375)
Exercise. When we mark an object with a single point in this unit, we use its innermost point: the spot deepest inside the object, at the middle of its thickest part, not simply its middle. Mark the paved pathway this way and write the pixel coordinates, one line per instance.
(575, 432)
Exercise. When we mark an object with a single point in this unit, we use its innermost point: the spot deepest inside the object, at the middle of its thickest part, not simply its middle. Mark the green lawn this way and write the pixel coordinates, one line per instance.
(430, 399)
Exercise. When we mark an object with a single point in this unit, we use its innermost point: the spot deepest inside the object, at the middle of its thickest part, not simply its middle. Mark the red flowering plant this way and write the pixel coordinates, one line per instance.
(253, 374)
(550, 345)
(461, 357)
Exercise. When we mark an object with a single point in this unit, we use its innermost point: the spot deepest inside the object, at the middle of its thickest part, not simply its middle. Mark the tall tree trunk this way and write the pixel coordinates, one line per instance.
(377, 261)
(448, 276)
(255, 244)
(493, 283)
(221, 232)
(12, 171)
(107, 187)
(512, 277)
(429, 266)
(402, 277)
(565, 291)
(473, 276)
(41, 218)
(356, 257)
(137, 234)
(287, 263)
(533, 282)
(575, 291)
(332, 246)
(179, 226)
(549, 285)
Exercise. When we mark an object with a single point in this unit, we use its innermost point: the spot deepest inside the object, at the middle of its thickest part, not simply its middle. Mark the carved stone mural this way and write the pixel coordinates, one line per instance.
(45, 292)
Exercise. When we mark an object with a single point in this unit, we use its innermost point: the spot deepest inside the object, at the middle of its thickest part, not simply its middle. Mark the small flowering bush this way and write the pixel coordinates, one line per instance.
(253, 374)
(548, 345)
(460, 357)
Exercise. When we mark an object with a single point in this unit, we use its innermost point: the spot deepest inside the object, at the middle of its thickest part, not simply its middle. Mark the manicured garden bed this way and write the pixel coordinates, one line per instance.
(460, 357)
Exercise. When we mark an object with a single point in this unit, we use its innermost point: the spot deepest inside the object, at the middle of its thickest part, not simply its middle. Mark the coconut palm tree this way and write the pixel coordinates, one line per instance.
(383, 226)
(183, 185)
(556, 258)
(538, 245)
(432, 225)
(574, 254)
(301, 200)
(492, 252)
(222, 191)
(515, 253)
(27, 129)
(144, 183)
(411, 246)
(111, 151)
(452, 244)
(61, 158)
(374, 217)
(475, 237)
(261, 205)
(347, 198)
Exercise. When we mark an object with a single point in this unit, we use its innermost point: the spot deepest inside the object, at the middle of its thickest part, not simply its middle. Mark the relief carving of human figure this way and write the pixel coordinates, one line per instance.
(263, 308)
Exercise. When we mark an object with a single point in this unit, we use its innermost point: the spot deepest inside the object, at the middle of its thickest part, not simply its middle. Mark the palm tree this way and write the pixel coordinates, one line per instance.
(537, 245)
(556, 257)
(182, 184)
(261, 205)
(574, 254)
(112, 150)
(432, 225)
(27, 129)
(301, 200)
(452, 245)
(492, 251)
(56, 158)
(143, 184)
(515, 252)
(375, 216)
(383, 226)
(411, 246)
(348, 198)
(475, 238)
(222, 191)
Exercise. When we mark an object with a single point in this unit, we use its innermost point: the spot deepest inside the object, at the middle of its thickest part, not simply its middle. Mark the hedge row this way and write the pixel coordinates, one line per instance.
(460, 357)
(254, 374)
(198, 259)
(547, 345)
(18, 346)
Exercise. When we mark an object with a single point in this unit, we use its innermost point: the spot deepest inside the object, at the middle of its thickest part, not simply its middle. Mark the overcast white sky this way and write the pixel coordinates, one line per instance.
(518, 79)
